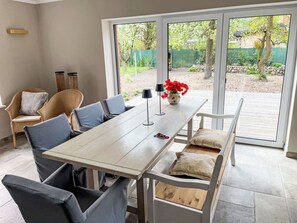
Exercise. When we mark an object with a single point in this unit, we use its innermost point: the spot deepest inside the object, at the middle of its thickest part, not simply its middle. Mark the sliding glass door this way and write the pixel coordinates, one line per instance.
(222, 56)
(257, 64)
(193, 49)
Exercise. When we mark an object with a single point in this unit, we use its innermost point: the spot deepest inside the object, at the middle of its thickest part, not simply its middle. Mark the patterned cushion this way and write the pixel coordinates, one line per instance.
(210, 138)
(193, 165)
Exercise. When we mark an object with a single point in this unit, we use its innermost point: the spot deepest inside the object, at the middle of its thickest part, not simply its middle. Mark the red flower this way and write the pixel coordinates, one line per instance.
(175, 87)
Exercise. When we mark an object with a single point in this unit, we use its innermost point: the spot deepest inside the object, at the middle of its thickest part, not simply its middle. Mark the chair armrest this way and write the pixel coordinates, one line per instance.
(75, 133)
(108, 117)
(62, 178)
(128, 107)
(112, 204)
(111, 116)
(219, 116)
(178, 182)
(13, 109)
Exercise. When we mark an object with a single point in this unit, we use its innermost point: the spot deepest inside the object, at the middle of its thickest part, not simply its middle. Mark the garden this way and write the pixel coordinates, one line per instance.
(256, 55)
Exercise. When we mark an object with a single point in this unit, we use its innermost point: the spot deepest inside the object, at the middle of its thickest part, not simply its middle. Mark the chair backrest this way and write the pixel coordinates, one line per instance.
(61, 102)
(89, 116)
(44, 136)
(43, 203)
(115, 105)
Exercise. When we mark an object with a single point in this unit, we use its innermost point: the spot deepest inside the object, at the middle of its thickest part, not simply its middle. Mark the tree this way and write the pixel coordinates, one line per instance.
(265, 40)
(149, 35)
(126, 36)
(209, 47)
(270, 30)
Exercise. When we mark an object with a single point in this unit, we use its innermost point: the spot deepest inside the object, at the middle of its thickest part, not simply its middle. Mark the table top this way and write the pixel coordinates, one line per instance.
(123, 145)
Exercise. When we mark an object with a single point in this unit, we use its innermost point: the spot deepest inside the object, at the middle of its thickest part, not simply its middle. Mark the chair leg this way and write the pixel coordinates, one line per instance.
(14, 140)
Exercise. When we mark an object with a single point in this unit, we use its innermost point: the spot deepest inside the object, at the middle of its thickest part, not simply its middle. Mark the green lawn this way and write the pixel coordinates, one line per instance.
(131, 70)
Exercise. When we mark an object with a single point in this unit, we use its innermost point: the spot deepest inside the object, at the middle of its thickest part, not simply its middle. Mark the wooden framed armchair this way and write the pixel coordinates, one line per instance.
(18, 121)
(62, 102)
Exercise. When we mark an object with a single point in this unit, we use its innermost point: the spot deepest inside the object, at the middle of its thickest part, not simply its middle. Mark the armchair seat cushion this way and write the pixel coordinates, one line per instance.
(209, 138)
(27, 118)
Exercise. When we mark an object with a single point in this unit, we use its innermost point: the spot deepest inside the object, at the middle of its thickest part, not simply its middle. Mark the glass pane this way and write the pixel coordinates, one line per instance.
(191, 58)
(136, 58)
(256, 63)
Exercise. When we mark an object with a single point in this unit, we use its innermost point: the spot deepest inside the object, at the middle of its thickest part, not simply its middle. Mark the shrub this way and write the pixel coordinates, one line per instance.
(277, 65)
(125, 96)
(193, 69)
(252, 70)
(261, 77)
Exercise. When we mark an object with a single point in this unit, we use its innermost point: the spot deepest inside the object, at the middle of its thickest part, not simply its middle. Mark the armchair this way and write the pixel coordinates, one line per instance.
(89, 116)
(18, 121)
(58, 199)
(116, 105)
(62, 102)
(48, 134)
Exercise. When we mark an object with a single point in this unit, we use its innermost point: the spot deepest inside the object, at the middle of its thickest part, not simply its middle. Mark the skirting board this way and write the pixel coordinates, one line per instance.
(291, 155)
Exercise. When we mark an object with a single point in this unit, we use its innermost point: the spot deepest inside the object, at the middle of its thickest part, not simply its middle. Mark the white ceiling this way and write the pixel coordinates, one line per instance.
(37, 1)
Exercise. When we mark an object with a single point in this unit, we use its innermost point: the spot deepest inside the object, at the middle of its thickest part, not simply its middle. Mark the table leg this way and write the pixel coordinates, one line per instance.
(141, 200)
(190, 129)
(90, 179)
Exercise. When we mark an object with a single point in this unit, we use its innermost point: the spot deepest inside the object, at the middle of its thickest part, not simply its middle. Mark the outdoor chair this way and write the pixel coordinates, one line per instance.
(59, 200)
(116, 105)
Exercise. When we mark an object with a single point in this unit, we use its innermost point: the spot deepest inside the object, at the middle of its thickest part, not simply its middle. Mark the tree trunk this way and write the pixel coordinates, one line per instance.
(208, 51)
(263, 61)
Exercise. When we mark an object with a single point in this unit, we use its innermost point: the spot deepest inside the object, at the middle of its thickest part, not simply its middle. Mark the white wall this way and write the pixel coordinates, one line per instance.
(19, 55)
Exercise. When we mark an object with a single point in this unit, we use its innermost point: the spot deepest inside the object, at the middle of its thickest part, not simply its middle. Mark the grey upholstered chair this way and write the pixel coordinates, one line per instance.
(58, 200)
(90, 116)
(48, 134)
(116, 105)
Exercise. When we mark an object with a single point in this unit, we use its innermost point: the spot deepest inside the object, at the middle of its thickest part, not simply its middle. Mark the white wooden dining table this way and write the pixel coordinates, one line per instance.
(125, 147)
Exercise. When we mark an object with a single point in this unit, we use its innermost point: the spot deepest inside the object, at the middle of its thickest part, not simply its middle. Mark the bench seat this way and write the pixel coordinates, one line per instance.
(190, 197)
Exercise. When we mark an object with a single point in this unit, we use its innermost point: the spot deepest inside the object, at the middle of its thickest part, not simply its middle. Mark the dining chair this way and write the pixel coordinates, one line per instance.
(58, 199)
(116, 105)
(17, 120)
(62, 102)
(89, 116)
(47, 135)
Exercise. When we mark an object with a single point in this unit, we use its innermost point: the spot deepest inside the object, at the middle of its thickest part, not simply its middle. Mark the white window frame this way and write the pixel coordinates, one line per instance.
(224, 14)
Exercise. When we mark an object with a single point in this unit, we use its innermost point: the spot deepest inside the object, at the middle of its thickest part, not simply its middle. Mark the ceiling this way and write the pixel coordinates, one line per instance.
(37, 1)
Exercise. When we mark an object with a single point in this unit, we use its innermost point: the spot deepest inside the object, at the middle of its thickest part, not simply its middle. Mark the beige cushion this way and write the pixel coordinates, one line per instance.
(32, 102)
(194, 165)
(210, 138)
(26, 118)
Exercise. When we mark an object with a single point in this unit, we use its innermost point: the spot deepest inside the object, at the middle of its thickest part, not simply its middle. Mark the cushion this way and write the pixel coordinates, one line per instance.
(32, 102)
(27, 118)
(210, 138)
(193, 165)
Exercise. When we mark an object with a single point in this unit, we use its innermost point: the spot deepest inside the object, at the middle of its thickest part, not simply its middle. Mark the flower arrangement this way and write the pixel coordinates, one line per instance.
(174, 87)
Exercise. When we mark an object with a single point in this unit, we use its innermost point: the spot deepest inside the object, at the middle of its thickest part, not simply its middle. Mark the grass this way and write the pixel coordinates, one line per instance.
(131, 70)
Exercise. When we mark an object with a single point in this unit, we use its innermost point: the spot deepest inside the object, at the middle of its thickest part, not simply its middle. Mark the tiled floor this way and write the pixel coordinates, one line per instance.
(261, 188)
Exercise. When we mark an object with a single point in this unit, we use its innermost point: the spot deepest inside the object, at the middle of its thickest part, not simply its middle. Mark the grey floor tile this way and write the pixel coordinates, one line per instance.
(290, 191)
(10, 213)
(289, 172)
(258, 178)
(271, 209)
(237, 196)
(292, 207)
(4, 197)
(232, 213)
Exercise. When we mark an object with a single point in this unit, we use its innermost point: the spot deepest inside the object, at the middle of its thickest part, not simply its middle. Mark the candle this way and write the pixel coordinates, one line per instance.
(0, 101)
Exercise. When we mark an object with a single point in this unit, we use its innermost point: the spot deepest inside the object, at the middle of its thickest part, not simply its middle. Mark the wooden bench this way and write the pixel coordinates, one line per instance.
(183, 200)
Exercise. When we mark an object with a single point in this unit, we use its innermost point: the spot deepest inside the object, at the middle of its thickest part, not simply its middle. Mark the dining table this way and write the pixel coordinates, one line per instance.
(125, 147)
